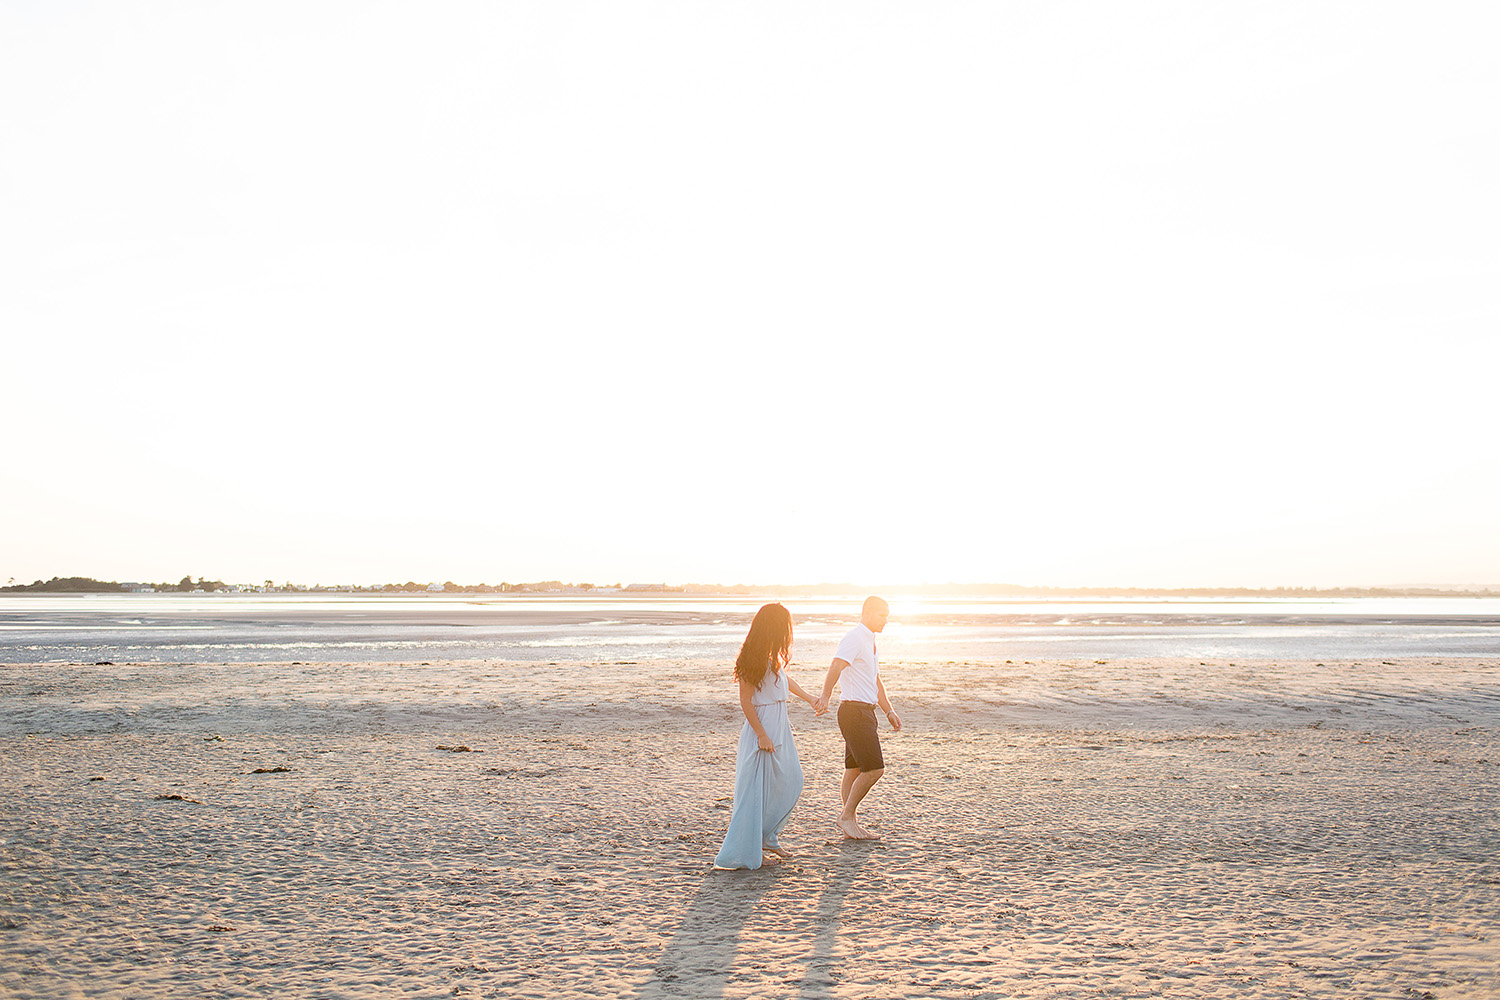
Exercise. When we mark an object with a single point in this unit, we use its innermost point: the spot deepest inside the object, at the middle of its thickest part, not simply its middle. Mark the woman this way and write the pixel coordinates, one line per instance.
(767, 773)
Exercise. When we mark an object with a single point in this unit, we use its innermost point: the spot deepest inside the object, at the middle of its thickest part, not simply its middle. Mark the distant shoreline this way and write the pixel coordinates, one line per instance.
(85, 586)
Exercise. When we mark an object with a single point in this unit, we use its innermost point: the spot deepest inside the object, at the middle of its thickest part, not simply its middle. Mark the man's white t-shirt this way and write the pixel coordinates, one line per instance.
(857, 682)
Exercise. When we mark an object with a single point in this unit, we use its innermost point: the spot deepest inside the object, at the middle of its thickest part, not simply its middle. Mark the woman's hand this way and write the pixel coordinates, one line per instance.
(766, 744)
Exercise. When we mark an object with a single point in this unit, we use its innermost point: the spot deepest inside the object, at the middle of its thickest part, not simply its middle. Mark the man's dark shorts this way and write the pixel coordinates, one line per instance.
(861, 736)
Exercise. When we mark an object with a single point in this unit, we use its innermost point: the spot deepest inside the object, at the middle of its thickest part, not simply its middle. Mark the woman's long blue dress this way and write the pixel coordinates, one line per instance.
(767, 784)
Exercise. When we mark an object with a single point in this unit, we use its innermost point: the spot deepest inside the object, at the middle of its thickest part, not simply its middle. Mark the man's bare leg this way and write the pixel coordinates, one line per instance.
(850, 773)
(847, 823)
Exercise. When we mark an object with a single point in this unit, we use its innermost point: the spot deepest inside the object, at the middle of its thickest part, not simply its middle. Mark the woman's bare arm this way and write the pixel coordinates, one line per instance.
(796, 689)
(751, 716)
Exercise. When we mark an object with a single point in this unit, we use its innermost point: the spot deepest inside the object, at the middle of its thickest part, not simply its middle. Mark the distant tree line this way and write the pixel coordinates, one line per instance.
(186, 585)
(448, 586)
(88, 585)
(1005, 590)
(65, 585)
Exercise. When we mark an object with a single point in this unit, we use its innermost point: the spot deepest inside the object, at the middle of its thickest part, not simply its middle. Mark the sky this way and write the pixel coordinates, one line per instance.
(1053, 293)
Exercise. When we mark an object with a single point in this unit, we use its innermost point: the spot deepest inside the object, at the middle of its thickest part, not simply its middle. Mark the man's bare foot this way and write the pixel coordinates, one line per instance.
(780, 852)
(850, 829)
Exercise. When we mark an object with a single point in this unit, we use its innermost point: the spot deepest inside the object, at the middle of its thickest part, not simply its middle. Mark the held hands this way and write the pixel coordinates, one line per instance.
(819, 706)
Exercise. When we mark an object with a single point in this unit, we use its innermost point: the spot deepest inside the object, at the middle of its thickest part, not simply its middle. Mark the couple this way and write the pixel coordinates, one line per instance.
(768, 773)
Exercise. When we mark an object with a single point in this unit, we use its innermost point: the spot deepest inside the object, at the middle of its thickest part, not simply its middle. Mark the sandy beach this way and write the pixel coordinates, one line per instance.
(1050, 829)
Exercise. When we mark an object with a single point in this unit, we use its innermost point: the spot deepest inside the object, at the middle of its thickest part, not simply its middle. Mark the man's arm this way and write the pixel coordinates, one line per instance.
(885, 704)
(834, 669)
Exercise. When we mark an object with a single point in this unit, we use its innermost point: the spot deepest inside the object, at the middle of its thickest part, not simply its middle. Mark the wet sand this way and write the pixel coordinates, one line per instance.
(1051, 829)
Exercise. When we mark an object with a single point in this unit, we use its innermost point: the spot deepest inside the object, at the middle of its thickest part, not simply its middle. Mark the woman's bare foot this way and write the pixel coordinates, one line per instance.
(780, 852)
(767, 861)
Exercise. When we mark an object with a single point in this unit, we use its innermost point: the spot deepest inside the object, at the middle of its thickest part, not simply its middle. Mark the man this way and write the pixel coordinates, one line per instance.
(856, 669)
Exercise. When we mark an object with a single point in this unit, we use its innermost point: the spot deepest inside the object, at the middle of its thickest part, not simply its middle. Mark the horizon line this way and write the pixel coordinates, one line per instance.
(827, 588)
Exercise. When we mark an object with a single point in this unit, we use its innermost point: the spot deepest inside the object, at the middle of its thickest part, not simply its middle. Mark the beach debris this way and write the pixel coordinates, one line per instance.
(174, 797)
(278, 769)
(460, 748)
(104, 663)
(97, 777)
(213, 739)
(219, 928)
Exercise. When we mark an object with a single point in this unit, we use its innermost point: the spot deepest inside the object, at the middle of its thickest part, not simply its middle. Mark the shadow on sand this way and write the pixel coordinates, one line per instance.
(701, 957)
(838, 875)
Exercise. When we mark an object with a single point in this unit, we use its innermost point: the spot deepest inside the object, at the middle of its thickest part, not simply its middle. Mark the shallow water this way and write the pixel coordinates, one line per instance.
(410, 628)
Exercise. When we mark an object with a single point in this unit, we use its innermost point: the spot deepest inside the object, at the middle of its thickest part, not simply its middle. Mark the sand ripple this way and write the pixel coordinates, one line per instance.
(1051, 830)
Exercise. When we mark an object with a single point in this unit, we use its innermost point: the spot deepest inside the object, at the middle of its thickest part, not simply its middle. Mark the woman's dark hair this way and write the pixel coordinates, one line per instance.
(770, 639)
